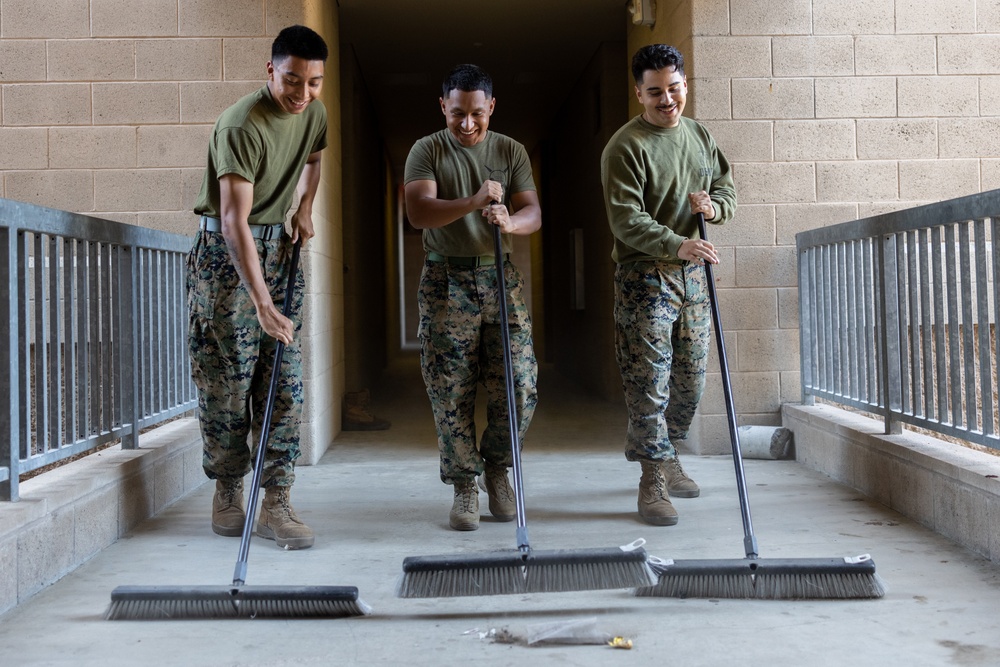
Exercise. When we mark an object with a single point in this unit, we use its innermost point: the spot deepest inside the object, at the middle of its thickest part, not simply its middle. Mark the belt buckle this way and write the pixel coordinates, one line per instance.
(267, 232)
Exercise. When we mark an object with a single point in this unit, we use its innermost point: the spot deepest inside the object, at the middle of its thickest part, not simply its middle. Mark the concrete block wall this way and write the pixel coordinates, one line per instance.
(69, 514)
(106, 107)
(829, 110)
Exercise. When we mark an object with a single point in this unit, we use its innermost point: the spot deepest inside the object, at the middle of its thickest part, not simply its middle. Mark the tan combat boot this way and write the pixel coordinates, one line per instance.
(278, 521)
(654, 505)
(228, 514)
(465, 508)
(679, 485)
(502, 504)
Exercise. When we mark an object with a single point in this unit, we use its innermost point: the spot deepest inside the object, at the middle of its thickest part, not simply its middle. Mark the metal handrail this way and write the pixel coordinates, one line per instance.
(898, 316)
(94, 339)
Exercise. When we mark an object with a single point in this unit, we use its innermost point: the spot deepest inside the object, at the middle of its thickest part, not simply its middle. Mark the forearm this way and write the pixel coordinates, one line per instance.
(432, 213)
(308, 184)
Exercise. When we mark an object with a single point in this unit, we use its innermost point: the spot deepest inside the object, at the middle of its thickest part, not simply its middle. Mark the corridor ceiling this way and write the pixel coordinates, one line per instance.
(535, 50)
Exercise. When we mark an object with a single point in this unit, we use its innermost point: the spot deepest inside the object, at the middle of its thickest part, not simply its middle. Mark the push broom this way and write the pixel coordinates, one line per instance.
(523, 570)
(239, 600)
(753, 577)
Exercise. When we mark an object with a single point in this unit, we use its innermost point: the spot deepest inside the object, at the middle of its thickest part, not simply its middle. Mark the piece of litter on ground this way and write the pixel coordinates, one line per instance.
(576, 631)
(620, 642)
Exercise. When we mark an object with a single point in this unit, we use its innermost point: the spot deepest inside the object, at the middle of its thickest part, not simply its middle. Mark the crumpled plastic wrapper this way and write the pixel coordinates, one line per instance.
(581, 631)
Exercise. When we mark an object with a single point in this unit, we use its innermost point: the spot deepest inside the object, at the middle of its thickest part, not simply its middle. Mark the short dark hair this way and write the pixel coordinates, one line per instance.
(299, 41)
(468, 78)
(656, 56)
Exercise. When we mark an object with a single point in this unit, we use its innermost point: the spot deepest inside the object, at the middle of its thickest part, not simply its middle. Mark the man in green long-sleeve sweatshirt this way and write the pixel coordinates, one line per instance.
(660, 170)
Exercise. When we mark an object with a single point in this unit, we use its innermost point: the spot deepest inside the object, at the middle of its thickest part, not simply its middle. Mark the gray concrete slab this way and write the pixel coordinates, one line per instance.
(375, 498)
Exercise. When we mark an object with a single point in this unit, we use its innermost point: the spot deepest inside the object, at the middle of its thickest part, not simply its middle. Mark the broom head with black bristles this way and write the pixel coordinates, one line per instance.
(514, 571)
(187, 602)
(767, 579)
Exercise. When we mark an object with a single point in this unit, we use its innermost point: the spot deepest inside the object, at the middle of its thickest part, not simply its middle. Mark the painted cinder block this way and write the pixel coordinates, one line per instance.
(765, 182)
(812, 55)
(753, 225)
(210, 17)
(246, 59)
(173, 145)
(136, 103)
(799, 140)
(732, 56)
(791, 219)
(752, 17)
(91, 147)
(938, 179)
(22, 60)
(968, 54)
(48, 20)
(69, 189)
(880, 55)
(776, 350)
(900, 139)
(936, 17)
(856, 97)
(24, 148)
(202, 102)
(762, 266)
(857, 181)
(773, 98)
(178, 59)
(710, 99)
(854, 17)
(91, 60)
(43, 104)
(708, 17)
(969, 137)
(952, 96)
(743, 140)
(134, 18)
(137, 189)
(8, 574)
(749, 308)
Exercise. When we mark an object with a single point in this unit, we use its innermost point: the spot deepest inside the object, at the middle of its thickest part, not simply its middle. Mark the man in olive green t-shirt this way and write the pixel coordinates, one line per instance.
(660, 170)
(263, 148)
(458, 182)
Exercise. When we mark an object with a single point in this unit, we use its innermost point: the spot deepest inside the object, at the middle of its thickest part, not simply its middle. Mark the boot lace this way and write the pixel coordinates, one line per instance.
(496, 482)
(465, 497)
(675, 471)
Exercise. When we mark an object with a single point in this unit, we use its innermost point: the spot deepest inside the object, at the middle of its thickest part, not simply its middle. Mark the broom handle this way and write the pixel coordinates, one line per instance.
(508, 367)
(239, 576)
(749, 540)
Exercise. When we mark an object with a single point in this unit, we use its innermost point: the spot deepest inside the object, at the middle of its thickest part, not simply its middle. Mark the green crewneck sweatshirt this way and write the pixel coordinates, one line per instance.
(648, 172)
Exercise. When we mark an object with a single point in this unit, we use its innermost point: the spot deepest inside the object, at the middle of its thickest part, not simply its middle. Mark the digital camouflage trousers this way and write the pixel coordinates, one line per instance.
(232, 359)
(460, 347)
(662, 335)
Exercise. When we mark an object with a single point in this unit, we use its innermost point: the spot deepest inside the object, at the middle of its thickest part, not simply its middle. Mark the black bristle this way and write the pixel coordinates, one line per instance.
(514, 572)
(165, 602)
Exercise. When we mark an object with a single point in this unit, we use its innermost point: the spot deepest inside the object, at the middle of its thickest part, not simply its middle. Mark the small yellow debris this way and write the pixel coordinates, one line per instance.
(620, 642)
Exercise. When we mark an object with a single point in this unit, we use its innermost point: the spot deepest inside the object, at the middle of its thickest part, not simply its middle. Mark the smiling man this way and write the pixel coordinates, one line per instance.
(659, 170)
(458, 183)
(263, 149)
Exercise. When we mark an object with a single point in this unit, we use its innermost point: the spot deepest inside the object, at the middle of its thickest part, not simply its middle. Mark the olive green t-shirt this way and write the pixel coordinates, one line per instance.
(648, 173)
(460, 171)
(259, 141)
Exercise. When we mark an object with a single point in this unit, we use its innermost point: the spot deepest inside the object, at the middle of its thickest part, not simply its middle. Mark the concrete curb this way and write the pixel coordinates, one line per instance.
(69, 514)
(948, 488)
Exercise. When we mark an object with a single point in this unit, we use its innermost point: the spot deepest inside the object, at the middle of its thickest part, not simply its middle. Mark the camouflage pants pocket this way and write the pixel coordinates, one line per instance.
(661, 335)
